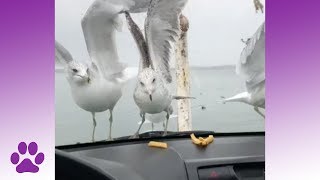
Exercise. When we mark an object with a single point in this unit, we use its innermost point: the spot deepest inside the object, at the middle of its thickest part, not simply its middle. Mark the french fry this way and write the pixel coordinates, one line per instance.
(209, 139)
(194, 139)
(203, 143)
(158, 144)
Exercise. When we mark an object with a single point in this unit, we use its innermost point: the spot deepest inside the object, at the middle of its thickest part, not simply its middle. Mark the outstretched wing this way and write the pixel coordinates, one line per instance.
(133, 6)
(162, 28)
(99, 25)
(62, 55)
(145, 61)
(251, 65)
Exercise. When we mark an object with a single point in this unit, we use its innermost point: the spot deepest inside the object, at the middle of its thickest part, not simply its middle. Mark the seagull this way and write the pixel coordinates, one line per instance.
(96, 87)
(162, 27)
(89, 89)
(251, 67)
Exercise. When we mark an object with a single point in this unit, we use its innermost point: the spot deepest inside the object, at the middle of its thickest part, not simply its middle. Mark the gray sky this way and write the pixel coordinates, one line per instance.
(216, 27)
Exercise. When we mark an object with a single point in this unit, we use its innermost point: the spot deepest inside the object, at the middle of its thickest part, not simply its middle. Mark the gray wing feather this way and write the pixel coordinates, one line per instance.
(162, 28)
(133, 6)
(99, 25)
(139, 6)
(251, 65)
(140, 41)
(62, 55)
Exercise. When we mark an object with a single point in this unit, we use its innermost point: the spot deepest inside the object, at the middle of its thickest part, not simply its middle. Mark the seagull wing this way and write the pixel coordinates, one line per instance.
(137, 6)
(251, 65)
(99, 25)
(62, 55)
(133, 6)
(162, 28)
(137, 34)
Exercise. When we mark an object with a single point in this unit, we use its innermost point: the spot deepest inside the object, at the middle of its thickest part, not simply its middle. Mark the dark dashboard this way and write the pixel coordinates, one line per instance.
(237, 156)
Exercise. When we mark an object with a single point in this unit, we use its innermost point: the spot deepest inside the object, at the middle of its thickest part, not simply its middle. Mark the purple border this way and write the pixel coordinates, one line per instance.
(293, 89)
(27, 82)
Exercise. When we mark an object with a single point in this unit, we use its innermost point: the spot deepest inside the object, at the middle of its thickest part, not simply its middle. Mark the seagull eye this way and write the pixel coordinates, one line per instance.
(75, 70)
(154, 80)
(142, 84)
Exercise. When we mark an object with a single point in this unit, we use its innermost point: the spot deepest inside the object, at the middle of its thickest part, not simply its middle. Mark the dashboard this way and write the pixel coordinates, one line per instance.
(237, 156)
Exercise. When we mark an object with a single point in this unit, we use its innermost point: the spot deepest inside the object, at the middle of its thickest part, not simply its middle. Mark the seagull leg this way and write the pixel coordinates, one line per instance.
(110, 125)
(177, 125)
(94, 125)
(259, 112)
(164, 125)
(152, 126)
(136, 135)
(166, 128)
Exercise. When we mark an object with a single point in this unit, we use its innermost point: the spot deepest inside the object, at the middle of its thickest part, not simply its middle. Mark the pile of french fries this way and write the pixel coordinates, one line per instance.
(202, 141)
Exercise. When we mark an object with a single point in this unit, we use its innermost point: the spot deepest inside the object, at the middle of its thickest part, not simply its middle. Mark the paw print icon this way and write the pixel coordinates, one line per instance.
(27, 159)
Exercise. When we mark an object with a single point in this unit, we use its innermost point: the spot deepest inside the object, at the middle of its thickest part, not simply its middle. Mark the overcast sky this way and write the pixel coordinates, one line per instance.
(216, 27)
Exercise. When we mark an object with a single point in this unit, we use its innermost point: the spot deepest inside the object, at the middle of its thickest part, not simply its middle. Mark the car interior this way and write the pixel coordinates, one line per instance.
(231, 156)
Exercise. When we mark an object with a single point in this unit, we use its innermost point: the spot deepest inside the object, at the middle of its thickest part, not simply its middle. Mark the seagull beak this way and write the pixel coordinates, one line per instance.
(150, 96)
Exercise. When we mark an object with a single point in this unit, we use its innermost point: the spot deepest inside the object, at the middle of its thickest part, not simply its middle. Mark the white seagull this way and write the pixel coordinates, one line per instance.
(97, 87)
(162, 27)
(251, 67)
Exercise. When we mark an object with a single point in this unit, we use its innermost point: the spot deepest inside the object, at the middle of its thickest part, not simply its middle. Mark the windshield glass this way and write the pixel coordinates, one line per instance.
(218, 33)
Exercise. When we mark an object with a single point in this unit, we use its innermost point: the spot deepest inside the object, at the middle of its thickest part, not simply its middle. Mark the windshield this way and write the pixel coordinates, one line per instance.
(218, 33)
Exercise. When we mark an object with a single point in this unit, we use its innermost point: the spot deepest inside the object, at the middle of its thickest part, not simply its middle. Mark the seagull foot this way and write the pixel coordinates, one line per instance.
(164, 134)
(135, 136)
(110, 139)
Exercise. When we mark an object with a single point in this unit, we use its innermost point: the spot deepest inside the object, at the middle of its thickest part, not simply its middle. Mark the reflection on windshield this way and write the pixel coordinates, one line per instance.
(145, 73)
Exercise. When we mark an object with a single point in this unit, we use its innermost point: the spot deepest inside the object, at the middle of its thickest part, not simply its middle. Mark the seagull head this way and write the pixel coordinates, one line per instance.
(78, 72)
(147, 81)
